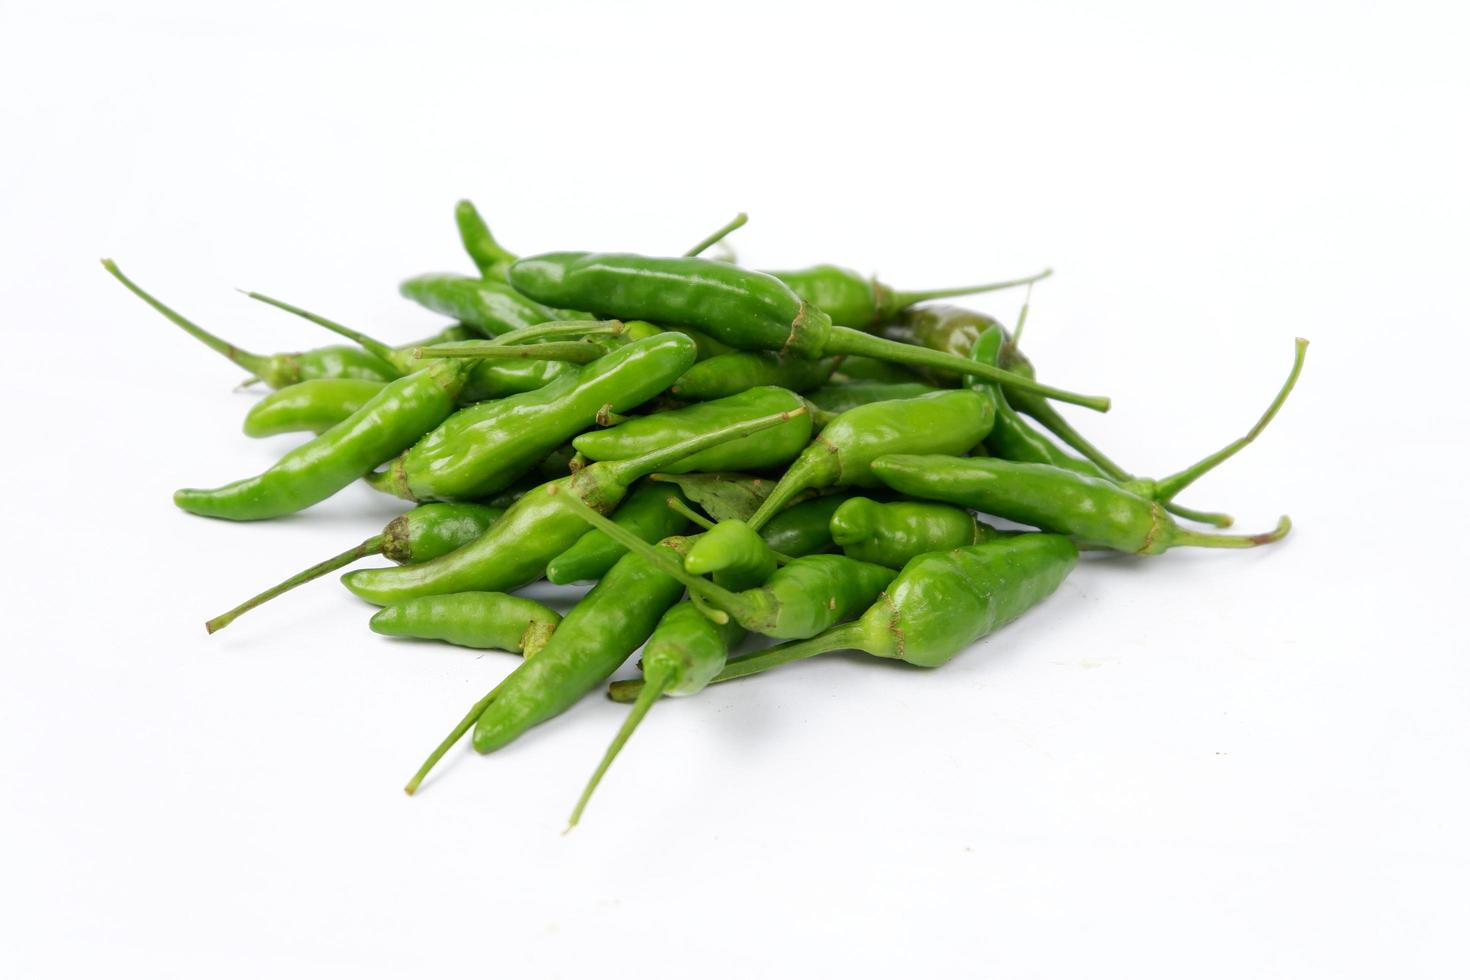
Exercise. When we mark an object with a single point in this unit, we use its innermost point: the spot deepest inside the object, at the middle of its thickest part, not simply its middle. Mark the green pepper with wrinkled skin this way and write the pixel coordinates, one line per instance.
(537, 527)
(840, 398)
(951, 422)
(484, 448)
(937, 606)
(309, 406)
(747, 310)
(891, 534)
(276, 370)
(853, 300)
(1096, 512)
(479, 620)
(646, 513)
(648, 432)
(422, 534)
(389, 423)
(726, 375)
(592, 641)
(801, 599)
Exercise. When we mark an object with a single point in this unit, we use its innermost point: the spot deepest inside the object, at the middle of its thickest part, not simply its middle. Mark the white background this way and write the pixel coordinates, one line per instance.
(1211, 764)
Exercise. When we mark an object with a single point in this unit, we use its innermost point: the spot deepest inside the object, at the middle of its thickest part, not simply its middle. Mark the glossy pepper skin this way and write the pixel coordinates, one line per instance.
(804, 528)
(420, 535)
(389, 423)
(308, 406)
(535, 529)
(1096, 512)
(484, 448)
(801, 599)
(776, 447)
(840, 398)
(490, 306)
(731, 544)
(938, 605)
(276, 370)
(951, 422)
(891, 534)
(726, 375)
(645, 512)
(594, 639)
(479, 620)
(491, 379)
(950, 329)
(854, 300)
(745, 309)
(871, 369)
(479, 244)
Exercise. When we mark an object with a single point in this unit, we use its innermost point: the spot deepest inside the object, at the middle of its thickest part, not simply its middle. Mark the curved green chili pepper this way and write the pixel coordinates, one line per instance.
(484, 448)
(592, 641)
(423, 534)
(840, 398)
(801, 599)
(1013, 438)
(777, 447)
(804, 528)
(685, 652)
(537, 527)
(937, 606)
(489, 257)
(724, 375)
(276, 370)
(646, 513)
(950, 422)
(745, 309)
(389, 423)
(853, 300)
(308, 406)
(480, 620)
(891, 534)
(731, 544)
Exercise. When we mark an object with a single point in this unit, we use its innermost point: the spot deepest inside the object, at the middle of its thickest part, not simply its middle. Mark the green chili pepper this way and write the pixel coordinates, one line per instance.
(891, 534)
(390, 422)
(537, 527)
(489, 257)
(640, 435)
(853, 300)
(724, 375)
(481, 620)
(592, 641)
(804, 528)
(801, 599)
(945, 422)
(745, 309)
(687, 649)
(491, 306)
(422, 534)
(483, 448)
(1013, 438)
(718, 236)
(950, 329)
(840, 398)
(937, 606)
(309, 406)
(276, 370)
(645, 513)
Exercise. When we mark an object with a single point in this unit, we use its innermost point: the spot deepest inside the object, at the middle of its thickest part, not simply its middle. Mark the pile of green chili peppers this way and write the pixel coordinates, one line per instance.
(727, 455)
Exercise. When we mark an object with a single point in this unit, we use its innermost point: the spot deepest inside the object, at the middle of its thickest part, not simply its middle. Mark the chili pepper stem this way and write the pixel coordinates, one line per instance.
(256, 364)
(372, 546)
(557, 328)
(1169, 486)
(1206, 539)
(900, 299)
(796, 479)
(1021, 317)
(725, 601)
(375, 347)
(736, 222)
(465, 724)
(575, 351)
(625, 471)
(1201, 516)
(652, 690)
(679, 507)
(845, 340)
